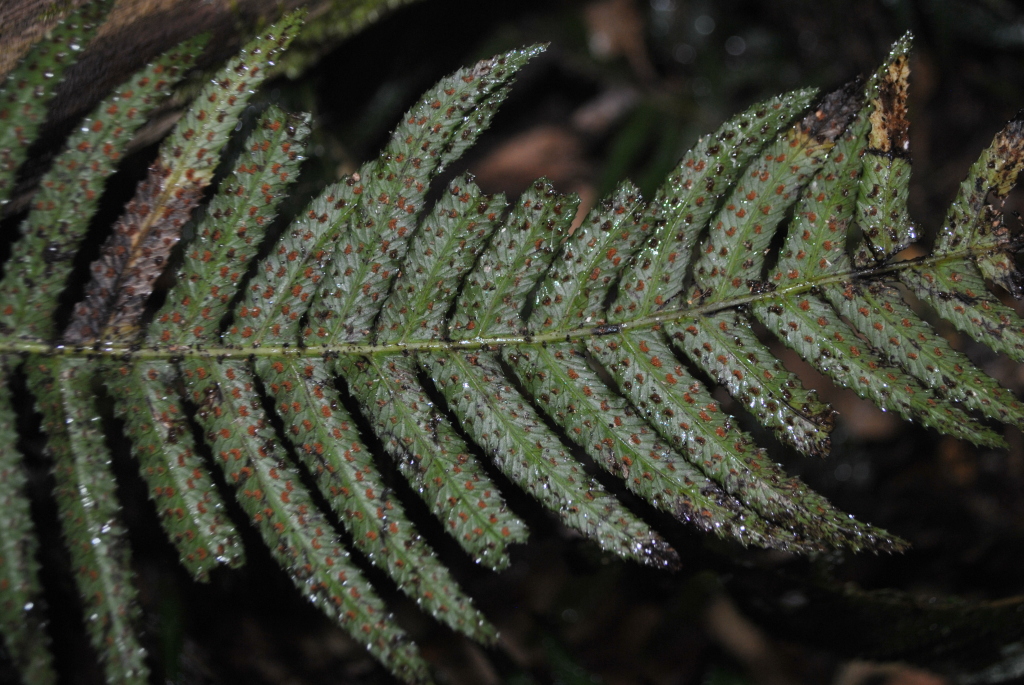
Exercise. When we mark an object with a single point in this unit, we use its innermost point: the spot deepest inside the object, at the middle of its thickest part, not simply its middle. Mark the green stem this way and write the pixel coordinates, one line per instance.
(124, 351)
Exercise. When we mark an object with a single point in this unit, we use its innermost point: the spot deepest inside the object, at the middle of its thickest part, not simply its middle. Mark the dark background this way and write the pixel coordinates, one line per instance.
(624, 89)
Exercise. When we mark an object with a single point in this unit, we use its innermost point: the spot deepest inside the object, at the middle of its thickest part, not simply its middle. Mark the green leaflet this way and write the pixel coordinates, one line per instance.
(885, 183)
(190, 507)
(732, 256)
(684, 414)
(231, 231)
(816, 241)
(879, 313)
(975, 229)
(22, 623)
(726, 348)
(443, 251)
(331, 449)
(497, 417)
(391, 191)
(516, 258)
(687, 200)
(434, 457)
(808, 325)
(89, 513)
(417, 434)
(534, 458)
(619, 440)
(382, 335)
(297, 534)
(26, 91)
(70, 191)
(959, 294)
(136, 252)
(574, 291)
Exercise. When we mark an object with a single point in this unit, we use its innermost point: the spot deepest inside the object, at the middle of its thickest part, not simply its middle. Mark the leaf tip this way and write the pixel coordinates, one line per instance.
(901, 47)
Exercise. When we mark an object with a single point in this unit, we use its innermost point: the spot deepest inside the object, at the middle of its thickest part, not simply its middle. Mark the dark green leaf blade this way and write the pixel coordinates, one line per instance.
(809, 325)
(878, 311)
(561, 380)
(574, 291)
(231, 231)
(967, 225)
(684, 414)
(136, 253)
(732, 256)
(724, 345)
(688, 198)
(69, 193)
(815, 244)
(391, 191)
(442, 252)
(532, 456)
(22, 624)
(279, 294)
(958, 293)
(190, 507)
(89, 513)
(516, 258)
(433, 457)
(27, 90)
(330, 447)
(299, 537)
(975, 226)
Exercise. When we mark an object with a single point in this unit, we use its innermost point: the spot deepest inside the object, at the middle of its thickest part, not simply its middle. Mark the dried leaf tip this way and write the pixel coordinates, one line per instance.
(887, 94)
(1009, 147)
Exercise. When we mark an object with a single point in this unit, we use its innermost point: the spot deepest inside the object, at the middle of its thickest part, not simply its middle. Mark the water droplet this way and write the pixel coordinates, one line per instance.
(807, 40)
(843, 472)
(684, 53)
(735, 46)
(794, 599)
(704, 25)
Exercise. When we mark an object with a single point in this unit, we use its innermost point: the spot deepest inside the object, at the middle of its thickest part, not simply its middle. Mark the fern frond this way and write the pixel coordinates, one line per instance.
(391, 192)
(231, 231)
(434, 457)
(878, 312)
(480, 330)
(335, 242)
(685, 202)
(331, 448)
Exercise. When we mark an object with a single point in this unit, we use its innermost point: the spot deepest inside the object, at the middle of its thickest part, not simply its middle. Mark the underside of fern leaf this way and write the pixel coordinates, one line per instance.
(480, 335)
